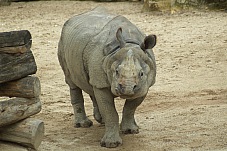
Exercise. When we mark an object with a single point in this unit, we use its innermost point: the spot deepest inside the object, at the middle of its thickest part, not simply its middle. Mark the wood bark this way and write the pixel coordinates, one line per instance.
(16, 66)
(7, 146)
(17, 109)
(16, 49)
(15, 41)
(28, 132)
(28, 87)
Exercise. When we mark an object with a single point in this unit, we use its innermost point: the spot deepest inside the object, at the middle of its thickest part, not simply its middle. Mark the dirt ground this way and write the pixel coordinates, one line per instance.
(185, 110)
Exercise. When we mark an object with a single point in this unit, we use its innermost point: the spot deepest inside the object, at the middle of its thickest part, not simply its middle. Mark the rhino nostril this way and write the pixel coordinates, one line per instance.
(121, 88)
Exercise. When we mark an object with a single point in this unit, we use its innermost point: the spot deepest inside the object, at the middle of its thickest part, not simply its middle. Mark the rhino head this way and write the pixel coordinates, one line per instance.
(131, 70)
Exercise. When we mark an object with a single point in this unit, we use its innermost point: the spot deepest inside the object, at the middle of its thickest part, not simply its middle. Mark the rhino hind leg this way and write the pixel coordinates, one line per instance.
(128, 124)
(96, 112)
(77, 101)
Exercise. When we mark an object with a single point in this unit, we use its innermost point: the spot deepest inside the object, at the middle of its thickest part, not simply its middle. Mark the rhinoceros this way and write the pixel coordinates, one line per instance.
(106, 56)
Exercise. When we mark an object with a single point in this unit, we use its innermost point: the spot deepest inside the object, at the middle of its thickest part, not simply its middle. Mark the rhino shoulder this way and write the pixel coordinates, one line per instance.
(97, 76)
(93, 61)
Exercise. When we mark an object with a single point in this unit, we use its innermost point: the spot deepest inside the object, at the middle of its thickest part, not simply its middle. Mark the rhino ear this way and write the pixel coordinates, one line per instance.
(120, 37)
(149, 42)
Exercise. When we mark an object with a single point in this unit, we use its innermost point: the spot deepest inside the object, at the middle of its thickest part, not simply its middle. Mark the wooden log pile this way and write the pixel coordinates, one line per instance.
(17, 66)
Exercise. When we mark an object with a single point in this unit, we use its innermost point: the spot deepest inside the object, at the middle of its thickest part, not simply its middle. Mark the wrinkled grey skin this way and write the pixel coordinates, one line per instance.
(106, 56)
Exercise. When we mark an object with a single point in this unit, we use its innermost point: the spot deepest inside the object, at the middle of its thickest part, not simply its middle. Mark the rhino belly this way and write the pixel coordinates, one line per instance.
(77, 74)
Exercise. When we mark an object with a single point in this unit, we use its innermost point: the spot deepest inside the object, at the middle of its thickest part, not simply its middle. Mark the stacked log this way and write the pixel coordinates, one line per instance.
(17, 66)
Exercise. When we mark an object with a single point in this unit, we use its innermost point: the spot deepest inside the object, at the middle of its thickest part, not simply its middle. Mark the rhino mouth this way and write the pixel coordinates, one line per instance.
(125, 95)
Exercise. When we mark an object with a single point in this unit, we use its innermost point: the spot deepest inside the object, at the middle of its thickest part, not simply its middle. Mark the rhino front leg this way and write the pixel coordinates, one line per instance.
(109, 114)
(77, 101)
(96, 112)
(128, 124)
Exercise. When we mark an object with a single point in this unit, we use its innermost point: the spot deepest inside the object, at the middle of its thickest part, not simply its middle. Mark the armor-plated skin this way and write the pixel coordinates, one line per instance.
(106, 56)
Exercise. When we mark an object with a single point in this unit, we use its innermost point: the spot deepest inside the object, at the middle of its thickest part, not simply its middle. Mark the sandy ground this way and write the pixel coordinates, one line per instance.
(185, 110)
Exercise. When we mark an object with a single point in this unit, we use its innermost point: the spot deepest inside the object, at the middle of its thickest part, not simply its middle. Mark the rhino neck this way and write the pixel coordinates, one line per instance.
(114, 45)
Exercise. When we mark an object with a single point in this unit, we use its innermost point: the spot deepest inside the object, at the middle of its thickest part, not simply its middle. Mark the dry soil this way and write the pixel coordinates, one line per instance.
(185, 110)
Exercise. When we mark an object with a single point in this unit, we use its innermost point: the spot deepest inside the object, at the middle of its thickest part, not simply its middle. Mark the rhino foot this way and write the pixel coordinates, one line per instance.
(83, 123)
(111, 141)
(130, 131)
(127, 128)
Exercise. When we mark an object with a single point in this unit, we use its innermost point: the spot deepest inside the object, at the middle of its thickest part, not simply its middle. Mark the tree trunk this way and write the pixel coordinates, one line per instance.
(17, 109)
(28, 132)
(16, 66)
(28, 87)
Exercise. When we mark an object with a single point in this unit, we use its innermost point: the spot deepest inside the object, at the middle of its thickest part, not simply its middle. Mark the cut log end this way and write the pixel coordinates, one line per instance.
(38, 132)
(28, 132)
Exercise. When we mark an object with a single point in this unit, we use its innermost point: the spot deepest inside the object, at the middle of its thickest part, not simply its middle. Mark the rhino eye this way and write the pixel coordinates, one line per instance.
(117, 72)
(141, 73)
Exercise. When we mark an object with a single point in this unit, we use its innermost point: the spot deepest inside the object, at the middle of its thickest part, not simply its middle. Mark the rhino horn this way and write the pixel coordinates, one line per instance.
(129, 58)
(129, 54)
(149, 42)
(120, 37)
